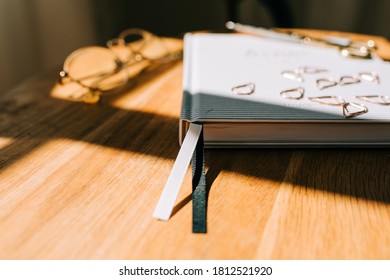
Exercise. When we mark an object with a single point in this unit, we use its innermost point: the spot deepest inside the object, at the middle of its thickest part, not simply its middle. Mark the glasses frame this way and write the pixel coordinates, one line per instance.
(135, 56)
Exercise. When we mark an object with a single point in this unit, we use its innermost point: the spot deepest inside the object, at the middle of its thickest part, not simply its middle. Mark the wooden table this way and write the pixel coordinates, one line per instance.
(81, 181)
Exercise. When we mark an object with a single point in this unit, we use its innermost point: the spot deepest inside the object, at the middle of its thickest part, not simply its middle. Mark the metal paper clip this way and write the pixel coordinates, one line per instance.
(328, 100)
(245, 89)
(370, 77)
(348, 80)
(311, 70)
(377, 99)
(348, 114)
(295, 93)
(325, 83)
(292, 75)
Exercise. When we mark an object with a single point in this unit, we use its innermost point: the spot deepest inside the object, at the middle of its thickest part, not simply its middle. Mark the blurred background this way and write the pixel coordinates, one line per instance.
(37, 35)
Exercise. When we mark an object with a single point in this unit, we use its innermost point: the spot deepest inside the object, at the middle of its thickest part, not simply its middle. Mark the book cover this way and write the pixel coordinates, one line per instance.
(250, 91)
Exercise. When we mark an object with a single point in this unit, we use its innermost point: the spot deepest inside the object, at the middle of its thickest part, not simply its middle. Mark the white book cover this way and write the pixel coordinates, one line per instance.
(236, 78)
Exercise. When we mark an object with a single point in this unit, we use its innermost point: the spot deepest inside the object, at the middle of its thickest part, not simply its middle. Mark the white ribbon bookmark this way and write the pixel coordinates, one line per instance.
(168, 197)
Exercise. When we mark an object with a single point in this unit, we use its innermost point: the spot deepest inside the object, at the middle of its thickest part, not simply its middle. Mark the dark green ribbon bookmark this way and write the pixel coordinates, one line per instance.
(199, 189)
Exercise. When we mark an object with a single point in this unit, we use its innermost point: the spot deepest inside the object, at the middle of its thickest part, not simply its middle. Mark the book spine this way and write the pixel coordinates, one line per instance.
(187, 80)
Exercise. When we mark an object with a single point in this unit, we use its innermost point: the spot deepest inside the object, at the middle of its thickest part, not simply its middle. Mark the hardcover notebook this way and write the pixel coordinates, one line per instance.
(301, 95)
(244, 91)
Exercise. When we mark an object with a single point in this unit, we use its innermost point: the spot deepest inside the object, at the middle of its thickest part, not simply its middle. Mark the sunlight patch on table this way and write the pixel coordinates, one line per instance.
(5, 141)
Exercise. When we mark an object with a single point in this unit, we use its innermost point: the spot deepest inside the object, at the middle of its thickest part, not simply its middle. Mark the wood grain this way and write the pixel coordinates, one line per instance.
(81, 181)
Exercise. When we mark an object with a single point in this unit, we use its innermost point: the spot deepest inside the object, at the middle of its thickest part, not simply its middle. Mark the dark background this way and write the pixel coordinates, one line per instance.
(173, 17)
(37, 35)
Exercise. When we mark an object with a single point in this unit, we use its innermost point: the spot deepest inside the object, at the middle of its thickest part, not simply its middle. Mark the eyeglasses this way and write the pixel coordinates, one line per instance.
(92, 71)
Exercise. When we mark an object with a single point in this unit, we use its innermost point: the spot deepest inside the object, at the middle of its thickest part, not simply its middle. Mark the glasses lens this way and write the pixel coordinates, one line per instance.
(154, 49)
(141, 43)
(95, 68)
(70, 91)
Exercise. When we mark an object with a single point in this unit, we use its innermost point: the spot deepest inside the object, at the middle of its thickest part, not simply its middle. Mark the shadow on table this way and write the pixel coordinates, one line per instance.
(30, 117)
